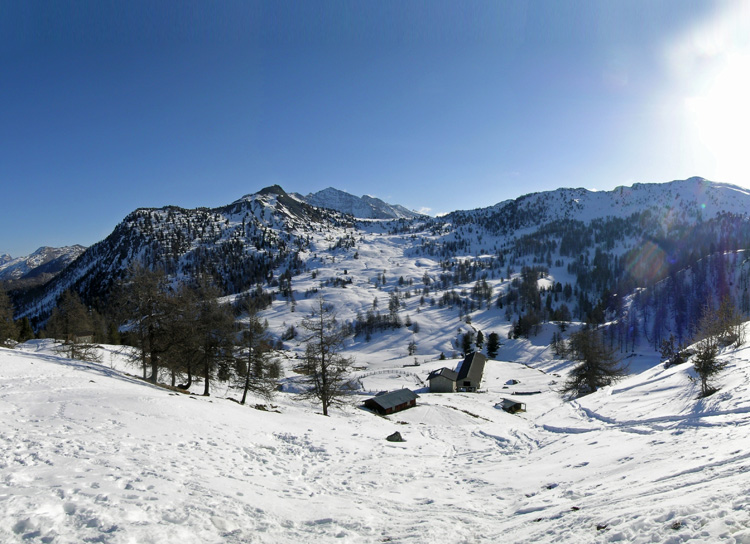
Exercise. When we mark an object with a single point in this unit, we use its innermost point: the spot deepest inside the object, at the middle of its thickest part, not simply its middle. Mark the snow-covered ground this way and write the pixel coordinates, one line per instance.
(90, 454)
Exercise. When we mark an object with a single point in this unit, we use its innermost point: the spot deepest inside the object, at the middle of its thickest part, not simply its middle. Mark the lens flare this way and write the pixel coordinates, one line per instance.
(648, 264)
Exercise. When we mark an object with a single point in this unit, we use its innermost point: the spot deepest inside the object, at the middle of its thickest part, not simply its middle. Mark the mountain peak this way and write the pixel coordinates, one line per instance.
(365, 207)
(45, 260)
(272, 190)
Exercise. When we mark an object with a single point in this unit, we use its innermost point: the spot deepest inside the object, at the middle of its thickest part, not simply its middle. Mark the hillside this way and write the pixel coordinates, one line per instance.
(90, 454)
(644, 259)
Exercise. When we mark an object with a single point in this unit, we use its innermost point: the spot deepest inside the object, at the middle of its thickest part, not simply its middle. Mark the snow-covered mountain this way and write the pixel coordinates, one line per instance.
(45, 260)
(365, 207)
(593, 250)
(674, 202)
(244, 244)
(641, 460)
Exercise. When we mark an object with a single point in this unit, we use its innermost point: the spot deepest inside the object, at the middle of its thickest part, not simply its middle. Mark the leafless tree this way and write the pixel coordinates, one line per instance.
(325, 368)
(255, 368)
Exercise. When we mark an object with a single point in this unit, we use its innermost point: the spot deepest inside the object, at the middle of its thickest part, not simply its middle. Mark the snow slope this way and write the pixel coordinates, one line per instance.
(91, 454)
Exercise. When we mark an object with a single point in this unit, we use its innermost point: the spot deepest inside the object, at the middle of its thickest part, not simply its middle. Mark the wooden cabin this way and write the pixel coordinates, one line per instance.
(391, 402)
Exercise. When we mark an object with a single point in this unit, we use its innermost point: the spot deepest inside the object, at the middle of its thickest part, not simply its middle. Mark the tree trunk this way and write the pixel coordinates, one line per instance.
(207, 378)
(154, 369)
(187, 385)
(247, 386)
(153, 357)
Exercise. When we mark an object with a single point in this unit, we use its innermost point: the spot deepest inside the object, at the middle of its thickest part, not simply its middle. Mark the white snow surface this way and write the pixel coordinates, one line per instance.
(90, 454)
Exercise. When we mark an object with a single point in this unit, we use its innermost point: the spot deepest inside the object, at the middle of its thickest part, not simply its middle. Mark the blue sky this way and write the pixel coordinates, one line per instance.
(107, 107)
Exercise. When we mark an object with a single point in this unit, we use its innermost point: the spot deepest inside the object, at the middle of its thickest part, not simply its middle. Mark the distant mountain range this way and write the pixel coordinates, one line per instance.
(600, 254)
(43, 264)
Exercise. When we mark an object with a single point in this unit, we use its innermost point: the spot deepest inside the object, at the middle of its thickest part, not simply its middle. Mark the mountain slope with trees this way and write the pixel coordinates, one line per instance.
(639, 262)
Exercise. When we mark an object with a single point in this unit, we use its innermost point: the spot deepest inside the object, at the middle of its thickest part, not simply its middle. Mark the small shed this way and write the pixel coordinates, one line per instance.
(393, 401)
(511, 406)
(442, 380)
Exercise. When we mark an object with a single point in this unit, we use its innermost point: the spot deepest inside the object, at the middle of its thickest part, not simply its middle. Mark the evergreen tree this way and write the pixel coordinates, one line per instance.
(558, 345)
(706, 364)
(493, 345)
(25, 331)
(180, 330)
(467, 343)
(715, 328)
(8, 328)
(480, 340)
(671, 352)
(598, 367)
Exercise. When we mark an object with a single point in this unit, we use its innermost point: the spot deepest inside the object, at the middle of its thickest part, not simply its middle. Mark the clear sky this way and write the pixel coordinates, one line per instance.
(110, 106)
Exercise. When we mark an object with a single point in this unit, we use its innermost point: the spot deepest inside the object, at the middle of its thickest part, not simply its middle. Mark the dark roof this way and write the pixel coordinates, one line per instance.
(507, 403)
(393, 398)
(445, 373)
(510, 405)
(474, 364)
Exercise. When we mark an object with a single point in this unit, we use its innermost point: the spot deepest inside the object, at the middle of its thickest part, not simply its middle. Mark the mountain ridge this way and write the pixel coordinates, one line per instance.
(365, 207)
(593, 243)
(45, 260)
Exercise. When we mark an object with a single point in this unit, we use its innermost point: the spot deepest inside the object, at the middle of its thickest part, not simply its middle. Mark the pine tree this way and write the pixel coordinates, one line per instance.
(671, 352)
(493, 345)
(8, 329)
(467, 343)
(706, 364)
(480, 340)
(25, 331)
(598, 367)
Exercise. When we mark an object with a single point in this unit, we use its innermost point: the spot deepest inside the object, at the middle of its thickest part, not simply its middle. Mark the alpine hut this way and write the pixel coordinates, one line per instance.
(393, 401)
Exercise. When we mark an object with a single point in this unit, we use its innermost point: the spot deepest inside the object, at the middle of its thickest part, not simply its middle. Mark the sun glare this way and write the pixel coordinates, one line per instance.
(721, 117)
(713, 59)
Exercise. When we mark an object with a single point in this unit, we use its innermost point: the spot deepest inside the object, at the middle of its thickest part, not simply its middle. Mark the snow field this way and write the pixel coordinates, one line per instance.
(90, 454)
